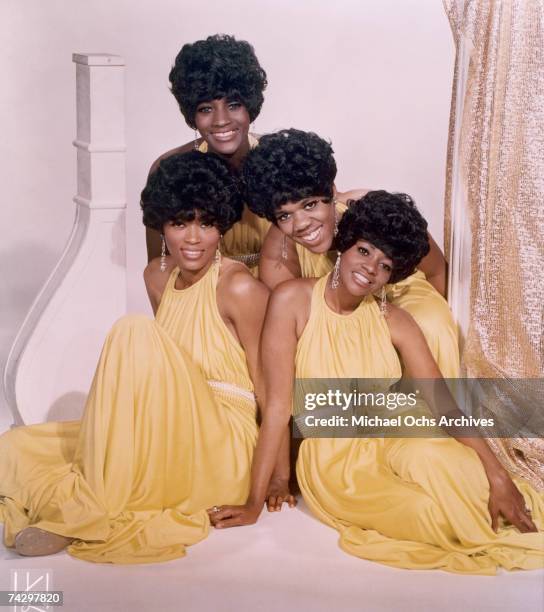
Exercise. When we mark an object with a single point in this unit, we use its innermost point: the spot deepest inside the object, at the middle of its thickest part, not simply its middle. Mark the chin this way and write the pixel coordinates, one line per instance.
(357, 290)
(319, 248)
(193, 266)
(227, 148)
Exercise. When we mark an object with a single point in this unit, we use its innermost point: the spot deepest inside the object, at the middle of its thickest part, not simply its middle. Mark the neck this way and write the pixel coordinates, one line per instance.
(186, 278)
(340, 300)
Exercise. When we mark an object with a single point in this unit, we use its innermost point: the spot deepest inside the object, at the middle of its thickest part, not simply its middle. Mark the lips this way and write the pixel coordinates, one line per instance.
(361, 279)
(224, 136)
(311, 237)
(191, 254)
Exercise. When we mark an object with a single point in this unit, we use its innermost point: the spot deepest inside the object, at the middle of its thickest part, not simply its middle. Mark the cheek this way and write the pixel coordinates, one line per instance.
(325, 214)
(286, 227)
(202, 121)
(212, 238)
(243, 119)
(384, 277)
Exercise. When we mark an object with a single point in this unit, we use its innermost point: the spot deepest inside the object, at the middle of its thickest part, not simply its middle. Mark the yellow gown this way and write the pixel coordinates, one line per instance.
(415, 295)
(168, 430)
(244, 240)
(410, 503)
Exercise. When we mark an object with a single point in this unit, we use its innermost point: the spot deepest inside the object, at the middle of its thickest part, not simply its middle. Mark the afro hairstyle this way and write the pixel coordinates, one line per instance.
(187, 183)
(218, 67)
(392, 223)
(287, 166)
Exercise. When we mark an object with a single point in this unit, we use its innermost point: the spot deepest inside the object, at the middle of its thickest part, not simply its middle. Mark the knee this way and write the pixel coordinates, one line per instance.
(417, 457)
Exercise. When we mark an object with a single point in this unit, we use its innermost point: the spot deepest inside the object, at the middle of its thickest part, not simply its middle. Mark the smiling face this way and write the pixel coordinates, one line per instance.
(192, 244)
(224, 125)
(364, 269)
(309, 221)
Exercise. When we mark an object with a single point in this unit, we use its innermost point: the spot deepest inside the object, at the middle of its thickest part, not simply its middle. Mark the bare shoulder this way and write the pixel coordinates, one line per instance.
(395, 315)
(236, 280)
(189, 146)
(402, 326)
(297, 292)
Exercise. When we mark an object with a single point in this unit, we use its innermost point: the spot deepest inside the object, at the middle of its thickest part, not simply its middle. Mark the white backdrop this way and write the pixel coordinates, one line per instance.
(374, 76)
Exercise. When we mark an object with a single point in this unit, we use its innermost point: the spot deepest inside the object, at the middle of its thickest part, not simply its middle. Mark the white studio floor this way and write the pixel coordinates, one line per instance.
(287, 561)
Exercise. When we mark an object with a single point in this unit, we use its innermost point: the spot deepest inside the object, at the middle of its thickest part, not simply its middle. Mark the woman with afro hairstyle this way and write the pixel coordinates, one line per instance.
(218, 85)
(418, 503)
(169, 426)
(289, 180)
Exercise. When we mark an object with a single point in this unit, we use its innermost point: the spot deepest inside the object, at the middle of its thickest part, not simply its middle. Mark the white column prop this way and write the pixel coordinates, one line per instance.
(52, 361)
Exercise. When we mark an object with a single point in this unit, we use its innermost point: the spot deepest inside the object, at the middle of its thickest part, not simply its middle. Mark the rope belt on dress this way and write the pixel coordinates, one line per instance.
(232, 389)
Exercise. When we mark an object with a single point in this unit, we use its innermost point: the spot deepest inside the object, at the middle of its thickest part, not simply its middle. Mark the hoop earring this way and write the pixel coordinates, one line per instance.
(284, 247)
(335, 278)
(383, 302)
(195, 141)
(163, 254)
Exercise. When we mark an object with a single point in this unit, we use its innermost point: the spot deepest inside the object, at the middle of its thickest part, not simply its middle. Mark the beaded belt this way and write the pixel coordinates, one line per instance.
(250, 260)
(232, 389)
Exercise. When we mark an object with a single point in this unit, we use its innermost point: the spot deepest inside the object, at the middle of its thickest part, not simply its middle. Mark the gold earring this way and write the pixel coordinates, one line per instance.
(383, 302)
(284, 247)
(163, 254)
(335, 279)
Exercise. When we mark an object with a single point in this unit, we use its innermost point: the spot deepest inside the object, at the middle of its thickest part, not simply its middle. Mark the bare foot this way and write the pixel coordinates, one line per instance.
(34, 542)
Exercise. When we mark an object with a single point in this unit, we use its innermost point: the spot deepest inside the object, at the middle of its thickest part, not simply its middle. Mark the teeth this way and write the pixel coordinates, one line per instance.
(224, 135)
(311, 237)
(361, 278)
(191, 254)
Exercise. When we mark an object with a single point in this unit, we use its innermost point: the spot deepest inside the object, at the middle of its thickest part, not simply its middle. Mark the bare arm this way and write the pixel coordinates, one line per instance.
(274, 268)
(434, 266)
(279, 341)
(504, 497)
(243, 301)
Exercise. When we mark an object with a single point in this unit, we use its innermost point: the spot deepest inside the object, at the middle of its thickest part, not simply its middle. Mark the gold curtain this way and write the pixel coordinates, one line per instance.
(496, 163)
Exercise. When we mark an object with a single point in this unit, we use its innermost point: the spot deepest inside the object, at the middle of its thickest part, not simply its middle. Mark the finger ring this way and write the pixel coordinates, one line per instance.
(215, 509)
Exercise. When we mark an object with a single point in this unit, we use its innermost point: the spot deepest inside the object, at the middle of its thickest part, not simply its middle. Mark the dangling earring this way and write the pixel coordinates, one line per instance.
(217, 258)
(195, 141)
(163, 254)
(335, 231)
(335, 279)
(383, 302)
(284, 247)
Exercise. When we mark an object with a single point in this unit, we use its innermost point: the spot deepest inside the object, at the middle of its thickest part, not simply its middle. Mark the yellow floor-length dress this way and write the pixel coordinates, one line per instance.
(410, 503)
(168, 430)
(244, 240)
(415, 295)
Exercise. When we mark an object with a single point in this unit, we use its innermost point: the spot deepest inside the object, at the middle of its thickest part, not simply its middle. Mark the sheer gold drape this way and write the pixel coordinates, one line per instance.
(496, 162)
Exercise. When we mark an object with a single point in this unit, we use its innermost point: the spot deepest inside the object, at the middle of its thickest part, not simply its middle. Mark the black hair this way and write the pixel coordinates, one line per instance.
(287, 166)
(218, 67)
(187, 183)
(392, 223)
